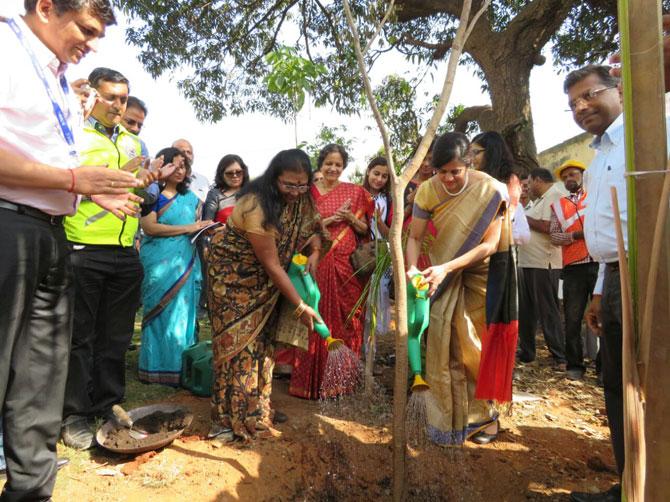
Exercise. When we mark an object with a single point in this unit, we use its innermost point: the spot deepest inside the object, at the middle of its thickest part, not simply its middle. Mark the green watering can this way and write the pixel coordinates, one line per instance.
(418, 311)
(306, 287)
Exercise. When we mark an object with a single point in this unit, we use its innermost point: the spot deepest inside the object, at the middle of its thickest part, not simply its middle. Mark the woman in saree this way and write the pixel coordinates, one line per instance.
(468, 210)
(345, 208)
(231, 175)
(274, 218)
(172, 276)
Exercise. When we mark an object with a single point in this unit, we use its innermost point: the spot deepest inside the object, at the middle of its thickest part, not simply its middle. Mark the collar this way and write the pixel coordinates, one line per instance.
(93, 122)
(613, 135)
(45, 58)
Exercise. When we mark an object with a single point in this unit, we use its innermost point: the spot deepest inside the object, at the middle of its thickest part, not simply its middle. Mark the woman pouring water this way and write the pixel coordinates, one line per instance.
(467, 208)
(274, 218)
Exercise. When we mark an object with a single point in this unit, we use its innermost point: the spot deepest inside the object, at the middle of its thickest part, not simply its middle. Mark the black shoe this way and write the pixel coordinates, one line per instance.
(611, 495)
(574, 374)
(77, 432)
(279, 417)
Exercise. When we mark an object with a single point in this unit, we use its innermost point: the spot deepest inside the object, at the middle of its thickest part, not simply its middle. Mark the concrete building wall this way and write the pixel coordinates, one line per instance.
(575, 148)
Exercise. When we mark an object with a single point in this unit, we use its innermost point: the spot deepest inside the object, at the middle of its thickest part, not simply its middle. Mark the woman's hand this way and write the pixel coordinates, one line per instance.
(435, 275)
(312, 262)
(198, 225)
(331, 219)
(309, 317)
(412, 271)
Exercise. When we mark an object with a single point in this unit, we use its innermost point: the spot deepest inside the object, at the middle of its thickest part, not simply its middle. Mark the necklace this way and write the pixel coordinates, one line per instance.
(467, 178)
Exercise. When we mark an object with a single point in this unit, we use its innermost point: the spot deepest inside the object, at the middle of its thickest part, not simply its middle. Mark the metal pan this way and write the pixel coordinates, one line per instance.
(148, 444)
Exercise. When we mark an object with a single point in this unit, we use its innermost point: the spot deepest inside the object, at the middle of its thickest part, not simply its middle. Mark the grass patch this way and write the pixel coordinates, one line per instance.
(139, 393)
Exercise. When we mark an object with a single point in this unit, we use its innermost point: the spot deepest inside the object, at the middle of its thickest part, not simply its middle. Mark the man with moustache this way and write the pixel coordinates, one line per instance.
(579, 270)
(40, 179)
(107, 271)
(595, 100)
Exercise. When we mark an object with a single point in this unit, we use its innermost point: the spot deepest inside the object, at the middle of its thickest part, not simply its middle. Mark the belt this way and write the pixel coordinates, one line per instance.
(32, 212)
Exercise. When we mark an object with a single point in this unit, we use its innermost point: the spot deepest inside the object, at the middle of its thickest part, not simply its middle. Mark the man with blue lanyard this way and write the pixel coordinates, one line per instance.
(39, 183)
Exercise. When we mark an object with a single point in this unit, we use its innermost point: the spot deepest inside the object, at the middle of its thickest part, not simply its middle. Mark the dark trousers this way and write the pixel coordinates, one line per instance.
(610, 352)
(578, 283)
(35, 327)
(538, 301)
(107, 284)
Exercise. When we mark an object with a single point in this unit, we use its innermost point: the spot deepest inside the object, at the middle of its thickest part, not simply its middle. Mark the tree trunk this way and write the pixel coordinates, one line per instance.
(512, 117)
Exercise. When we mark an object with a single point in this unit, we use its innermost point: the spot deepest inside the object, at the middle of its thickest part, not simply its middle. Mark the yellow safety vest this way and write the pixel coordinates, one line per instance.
(92, 224)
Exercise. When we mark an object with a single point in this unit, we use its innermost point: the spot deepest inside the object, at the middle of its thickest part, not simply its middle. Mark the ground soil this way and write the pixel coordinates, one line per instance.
(158, 425)
(555, 440)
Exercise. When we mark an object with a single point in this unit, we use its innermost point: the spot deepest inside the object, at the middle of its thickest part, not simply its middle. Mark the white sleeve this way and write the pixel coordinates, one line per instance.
(520, 228)
(598, 289)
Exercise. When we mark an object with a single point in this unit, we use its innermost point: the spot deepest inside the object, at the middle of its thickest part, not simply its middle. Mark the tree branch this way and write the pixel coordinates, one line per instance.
(482, 114)
(379, 27)
(333, 28)
(439, 49)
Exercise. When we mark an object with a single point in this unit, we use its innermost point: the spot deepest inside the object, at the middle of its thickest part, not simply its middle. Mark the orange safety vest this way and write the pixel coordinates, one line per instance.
(570, 216)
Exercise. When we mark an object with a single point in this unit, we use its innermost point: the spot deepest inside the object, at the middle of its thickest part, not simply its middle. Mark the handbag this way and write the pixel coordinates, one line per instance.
(363, 259)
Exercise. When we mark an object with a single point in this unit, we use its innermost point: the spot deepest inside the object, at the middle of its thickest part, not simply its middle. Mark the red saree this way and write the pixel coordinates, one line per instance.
(340, 289)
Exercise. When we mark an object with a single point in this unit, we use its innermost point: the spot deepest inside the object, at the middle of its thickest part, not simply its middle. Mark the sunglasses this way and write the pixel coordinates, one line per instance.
(234, 174)
(293, 188)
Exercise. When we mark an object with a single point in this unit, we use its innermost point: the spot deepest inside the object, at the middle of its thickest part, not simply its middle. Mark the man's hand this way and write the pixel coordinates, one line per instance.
(120, 205)
(133, 164)
(616, 58)
(592, 315)
(89, 180)
(87, 96)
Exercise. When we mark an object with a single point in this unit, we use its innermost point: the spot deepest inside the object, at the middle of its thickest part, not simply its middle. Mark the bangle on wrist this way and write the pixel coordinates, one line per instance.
(300, 309)
(71, 189)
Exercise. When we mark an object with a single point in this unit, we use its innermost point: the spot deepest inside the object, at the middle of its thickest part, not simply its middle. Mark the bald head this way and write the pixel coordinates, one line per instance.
(185, 147)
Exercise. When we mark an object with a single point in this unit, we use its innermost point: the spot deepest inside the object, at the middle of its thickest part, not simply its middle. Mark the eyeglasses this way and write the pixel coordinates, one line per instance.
(587, 97)
(293, 188)
(234, 174)
(476, 151)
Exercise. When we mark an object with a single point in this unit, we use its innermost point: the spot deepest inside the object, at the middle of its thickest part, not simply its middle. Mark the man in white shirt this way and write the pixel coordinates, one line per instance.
(540, 264)
(595, 101)
(39, 183)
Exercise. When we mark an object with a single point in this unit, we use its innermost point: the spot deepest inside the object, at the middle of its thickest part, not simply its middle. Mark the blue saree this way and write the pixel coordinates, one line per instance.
(170, 292)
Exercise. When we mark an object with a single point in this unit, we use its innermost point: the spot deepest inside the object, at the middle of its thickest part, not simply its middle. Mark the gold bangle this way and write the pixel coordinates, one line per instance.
(300, 309)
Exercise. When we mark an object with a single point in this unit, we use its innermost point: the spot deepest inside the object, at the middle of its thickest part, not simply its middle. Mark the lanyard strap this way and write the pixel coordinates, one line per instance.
(58, 111)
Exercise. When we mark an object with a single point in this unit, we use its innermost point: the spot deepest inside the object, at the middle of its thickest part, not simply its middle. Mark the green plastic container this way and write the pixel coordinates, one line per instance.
(196, 369)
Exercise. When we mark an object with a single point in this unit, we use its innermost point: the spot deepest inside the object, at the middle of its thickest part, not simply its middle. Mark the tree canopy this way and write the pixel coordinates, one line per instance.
(217, 49)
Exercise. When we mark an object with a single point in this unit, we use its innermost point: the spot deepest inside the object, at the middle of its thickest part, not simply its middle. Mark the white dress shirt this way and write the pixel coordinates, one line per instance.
(606, 170)
(28, 124)
(539, 252)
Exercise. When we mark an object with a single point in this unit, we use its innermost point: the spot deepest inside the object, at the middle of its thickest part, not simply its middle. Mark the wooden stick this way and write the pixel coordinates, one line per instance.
(634, 439)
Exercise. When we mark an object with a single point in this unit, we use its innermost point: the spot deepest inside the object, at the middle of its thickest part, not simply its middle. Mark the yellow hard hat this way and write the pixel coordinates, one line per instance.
(568, 163)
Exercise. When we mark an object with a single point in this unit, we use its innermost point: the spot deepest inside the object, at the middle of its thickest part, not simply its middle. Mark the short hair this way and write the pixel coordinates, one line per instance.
(600, 71)
(332, 148)
(227, 160)
(135, 102)
(542, 174)
(101, 9)
(102, 74)
(450, 146)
